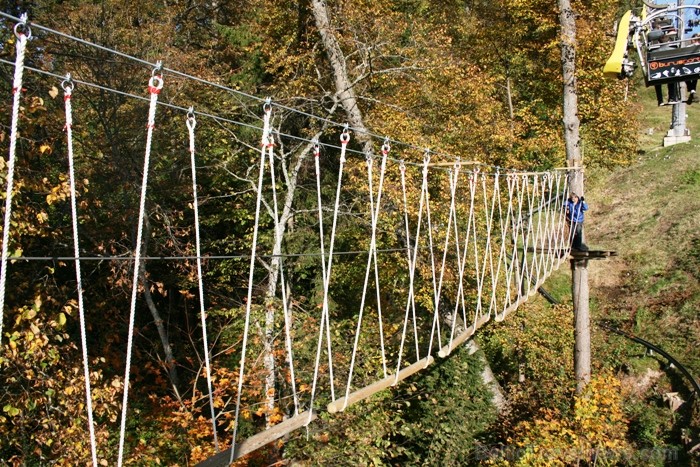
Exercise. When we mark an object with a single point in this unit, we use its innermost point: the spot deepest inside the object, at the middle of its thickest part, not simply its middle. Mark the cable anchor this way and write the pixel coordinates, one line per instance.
(22, 28)
(67, 84)
(191, 121)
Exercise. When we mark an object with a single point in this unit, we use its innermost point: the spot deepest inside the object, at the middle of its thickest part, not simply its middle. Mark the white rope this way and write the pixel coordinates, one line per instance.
(191, 123)
(155, 84)
(561, 209)
(453, 174)
(460, 266)
(503, 256)
(473, 180)
(551, 223)
(488, 250)
(511, 271)
(374, 211)
(265, 139)
(531, 234)
(481, 277)
(524, 231)
(495, 278)
(344, 140)
(325, 276)
(410, 302)
(509, 260)
(536, 230)
(541, 228)
(523, 236)
(68, 90)
(22, 37)
(436, 320)
(385, 152)
(548, 222)
(283, 285)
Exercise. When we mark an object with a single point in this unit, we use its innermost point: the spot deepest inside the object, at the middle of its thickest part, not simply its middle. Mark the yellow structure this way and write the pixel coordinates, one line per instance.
(613, 67)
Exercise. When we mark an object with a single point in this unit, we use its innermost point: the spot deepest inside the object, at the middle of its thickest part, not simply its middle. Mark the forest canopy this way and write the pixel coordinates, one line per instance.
(479, 80)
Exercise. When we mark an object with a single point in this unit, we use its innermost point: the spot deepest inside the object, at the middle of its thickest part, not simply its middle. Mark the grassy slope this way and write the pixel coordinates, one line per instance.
(649, 213)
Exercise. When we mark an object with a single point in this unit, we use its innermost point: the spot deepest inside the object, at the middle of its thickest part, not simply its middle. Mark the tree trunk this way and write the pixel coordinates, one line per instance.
(579, 268)
(571, 121)
(346, 97)
(157, 320)
(345, 94)
(274, 269)
(489, 379)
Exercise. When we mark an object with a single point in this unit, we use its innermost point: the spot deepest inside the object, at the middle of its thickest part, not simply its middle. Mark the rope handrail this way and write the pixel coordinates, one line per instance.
(150, 65)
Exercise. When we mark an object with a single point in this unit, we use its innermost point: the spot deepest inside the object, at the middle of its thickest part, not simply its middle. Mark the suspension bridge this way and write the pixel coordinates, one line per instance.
(443, 245)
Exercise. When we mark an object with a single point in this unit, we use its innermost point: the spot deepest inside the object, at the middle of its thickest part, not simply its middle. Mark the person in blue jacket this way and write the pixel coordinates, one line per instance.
(575, 208)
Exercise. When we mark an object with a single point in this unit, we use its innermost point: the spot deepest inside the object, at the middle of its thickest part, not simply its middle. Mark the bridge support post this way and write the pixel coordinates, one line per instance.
(678, 133)
(582, 323)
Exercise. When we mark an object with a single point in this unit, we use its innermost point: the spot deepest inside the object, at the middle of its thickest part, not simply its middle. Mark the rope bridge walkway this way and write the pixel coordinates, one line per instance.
(444, 248)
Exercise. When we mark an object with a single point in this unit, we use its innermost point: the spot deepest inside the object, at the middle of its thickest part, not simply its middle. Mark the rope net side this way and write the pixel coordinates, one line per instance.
(411, 259)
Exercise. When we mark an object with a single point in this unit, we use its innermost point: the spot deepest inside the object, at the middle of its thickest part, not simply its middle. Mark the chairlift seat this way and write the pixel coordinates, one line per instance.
(669, 65)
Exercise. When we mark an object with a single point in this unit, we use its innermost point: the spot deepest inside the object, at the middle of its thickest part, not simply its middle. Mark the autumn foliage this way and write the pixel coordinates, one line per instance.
(479, 80)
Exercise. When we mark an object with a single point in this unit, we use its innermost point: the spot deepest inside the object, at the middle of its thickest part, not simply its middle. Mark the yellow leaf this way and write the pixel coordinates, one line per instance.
(53, 92)
(61, 319)
(45, 148)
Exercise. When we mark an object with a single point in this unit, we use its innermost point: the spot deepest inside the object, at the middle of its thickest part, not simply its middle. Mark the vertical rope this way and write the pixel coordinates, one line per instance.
(68, 91)
(531, 233)
(436, 321)
(522, 235)
(509, 260)
(22, 37)
(516, 221)
(471, 226)
(453, 174)
(460, 264)
(473, 180)
(344, 140)
(325, 276)
(267, 108)
(374, 211)
(191, 122)
(155, 84)
(562, 189)
(425, 201)
(410, 302)
(481, 277)
(488, 250)
(385, 152)
(325, 319)
(496, 205)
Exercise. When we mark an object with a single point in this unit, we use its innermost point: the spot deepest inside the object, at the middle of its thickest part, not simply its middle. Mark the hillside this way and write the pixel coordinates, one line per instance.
(649, 213)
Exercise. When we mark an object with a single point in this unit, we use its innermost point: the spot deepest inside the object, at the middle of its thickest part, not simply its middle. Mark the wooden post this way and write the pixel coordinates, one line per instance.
(582, 324)
(574, 159)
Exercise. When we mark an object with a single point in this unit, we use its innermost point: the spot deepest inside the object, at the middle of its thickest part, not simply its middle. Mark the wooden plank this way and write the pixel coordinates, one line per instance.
(261, 439)
(469, 332)
(592, 254)
(452, 164)
(339, 404)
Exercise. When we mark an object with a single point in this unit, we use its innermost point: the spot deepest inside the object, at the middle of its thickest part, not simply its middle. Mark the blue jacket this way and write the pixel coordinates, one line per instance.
(574, 212)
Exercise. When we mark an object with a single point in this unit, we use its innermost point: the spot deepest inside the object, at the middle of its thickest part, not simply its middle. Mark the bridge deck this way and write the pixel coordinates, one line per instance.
(577, 254)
